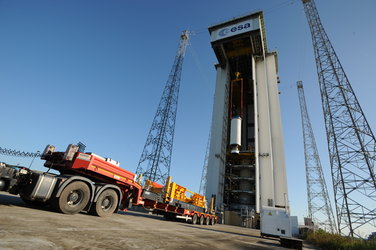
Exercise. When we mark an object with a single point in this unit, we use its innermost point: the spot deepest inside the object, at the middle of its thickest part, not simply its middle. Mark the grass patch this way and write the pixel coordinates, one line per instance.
(330, 241)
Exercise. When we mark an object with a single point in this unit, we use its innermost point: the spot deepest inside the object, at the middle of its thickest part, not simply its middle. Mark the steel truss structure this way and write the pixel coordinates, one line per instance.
(319, 207)
(351, 143)
(204, 175)
(155, 159)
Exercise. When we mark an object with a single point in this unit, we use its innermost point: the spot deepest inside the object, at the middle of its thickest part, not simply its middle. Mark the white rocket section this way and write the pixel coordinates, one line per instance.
(280, 180)
(265, 153)
(216, 160)
(236, 134)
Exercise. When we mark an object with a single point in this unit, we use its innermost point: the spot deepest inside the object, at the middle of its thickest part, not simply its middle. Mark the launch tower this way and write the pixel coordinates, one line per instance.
(246, 165)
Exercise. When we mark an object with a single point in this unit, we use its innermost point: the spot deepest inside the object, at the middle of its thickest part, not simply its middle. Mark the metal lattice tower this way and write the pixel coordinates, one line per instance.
(351, 143)
(204, 176)
(319, 207)
(155, 159)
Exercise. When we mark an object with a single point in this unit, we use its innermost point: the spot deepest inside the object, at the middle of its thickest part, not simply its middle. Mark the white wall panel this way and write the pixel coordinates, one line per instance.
(216, 168)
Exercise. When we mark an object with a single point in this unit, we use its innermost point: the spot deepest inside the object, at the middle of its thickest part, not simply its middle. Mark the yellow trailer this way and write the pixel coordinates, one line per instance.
(177, 202)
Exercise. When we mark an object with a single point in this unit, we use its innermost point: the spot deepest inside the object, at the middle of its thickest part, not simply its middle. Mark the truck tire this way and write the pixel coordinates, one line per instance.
(194, 219)
(74, 198)
(207, 220)
(212, 221)
(106, 204)
(202, 219)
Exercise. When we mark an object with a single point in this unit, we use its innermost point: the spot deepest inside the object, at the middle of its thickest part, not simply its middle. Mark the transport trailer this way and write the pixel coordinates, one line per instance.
(90, 183)
(172, 202)
(87, 182)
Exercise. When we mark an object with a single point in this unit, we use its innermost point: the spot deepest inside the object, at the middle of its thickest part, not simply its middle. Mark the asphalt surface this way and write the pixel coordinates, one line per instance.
(26, 227)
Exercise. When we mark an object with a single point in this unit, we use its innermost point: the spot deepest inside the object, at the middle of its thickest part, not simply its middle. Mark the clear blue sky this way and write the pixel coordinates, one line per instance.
(94, 71)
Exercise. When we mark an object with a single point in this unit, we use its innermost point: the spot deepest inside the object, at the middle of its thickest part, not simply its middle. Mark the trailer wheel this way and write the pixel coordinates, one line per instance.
(202, 219)
(74, 198)
(207, 220)
(212, 221)
(106, 204)
(194, 219)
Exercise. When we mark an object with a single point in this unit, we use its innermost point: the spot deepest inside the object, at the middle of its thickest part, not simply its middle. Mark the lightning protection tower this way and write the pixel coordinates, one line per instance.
(319, 207)
(204, 175)
(351, 142)
(155, 159)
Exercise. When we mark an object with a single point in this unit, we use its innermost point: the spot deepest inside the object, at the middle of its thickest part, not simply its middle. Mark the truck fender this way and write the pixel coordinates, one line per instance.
(101, 188)
(65, 180)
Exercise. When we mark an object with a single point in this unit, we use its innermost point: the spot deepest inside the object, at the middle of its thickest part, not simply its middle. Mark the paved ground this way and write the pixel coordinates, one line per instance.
(26, 227)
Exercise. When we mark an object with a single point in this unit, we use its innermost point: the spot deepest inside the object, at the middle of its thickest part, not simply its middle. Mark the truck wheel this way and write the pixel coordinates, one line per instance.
(106, 204)
(212, 221)
(194, 219)
(207, 220)
(202, 219)
(74, 198)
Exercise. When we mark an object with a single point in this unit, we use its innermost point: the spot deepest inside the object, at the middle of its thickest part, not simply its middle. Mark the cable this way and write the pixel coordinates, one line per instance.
(280, 6)
(303, 43)
(266, 11)
(197, 62)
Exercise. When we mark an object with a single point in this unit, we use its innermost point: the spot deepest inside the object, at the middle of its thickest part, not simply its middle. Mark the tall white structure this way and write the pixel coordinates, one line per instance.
(246, 165)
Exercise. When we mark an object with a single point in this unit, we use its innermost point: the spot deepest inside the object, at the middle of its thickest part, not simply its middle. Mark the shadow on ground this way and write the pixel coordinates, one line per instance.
(13, 200)
(141, 214)
(221, 231)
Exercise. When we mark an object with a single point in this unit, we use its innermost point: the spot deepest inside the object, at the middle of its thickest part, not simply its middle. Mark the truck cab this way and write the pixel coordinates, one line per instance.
(86, 183)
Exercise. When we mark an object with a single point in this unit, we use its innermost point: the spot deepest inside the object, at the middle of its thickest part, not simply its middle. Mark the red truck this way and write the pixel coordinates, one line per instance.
(90, 183)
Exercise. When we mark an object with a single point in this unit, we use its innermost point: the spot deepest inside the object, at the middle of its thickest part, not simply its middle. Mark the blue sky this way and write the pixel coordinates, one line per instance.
(94, 71)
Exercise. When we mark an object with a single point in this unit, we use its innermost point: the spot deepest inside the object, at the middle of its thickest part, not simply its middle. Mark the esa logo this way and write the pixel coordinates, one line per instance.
(226, 31)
